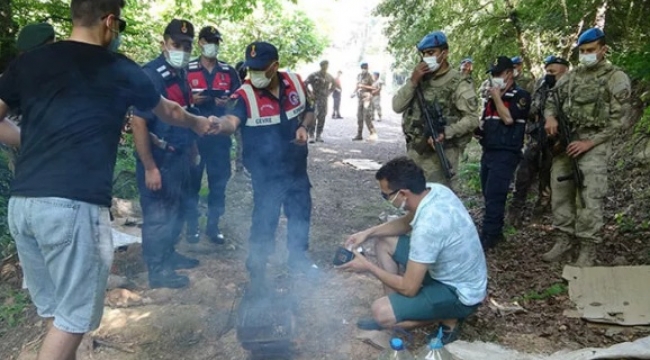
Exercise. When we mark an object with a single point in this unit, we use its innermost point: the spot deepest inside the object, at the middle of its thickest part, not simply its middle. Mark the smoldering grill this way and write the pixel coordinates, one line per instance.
(265, 321)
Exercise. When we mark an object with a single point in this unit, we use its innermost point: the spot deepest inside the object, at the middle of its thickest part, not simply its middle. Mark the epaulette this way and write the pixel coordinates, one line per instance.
(224, 65)
(194, 65)
(164, 72)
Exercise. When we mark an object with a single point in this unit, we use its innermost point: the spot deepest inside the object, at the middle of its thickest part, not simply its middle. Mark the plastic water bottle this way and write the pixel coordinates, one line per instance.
(435, 350)
(397, 351)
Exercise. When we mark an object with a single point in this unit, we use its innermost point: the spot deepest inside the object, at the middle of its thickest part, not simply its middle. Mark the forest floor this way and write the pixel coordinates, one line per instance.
(199, 322)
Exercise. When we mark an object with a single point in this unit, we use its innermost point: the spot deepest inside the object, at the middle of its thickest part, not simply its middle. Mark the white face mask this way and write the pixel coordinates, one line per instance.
(211, 51)
(259, 79)
(178, 59)
(588, 59)
(403, 206)
(432, 62)
(499, 82)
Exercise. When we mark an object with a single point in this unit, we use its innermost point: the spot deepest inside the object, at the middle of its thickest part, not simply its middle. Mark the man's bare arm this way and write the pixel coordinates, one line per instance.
(9, 132)
(309, 119)
(174, 114)
(227, 124)
(408, 284)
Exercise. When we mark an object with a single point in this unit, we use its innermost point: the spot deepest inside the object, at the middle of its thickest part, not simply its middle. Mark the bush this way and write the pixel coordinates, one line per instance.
(7, 245)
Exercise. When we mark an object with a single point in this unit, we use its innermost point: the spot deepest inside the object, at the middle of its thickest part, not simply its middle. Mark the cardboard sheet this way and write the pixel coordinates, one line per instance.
(363, 164)
(612, 295)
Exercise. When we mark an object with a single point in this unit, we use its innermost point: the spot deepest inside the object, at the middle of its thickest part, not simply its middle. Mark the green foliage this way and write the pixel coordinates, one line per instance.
(552, 291)
(469, 176)
(124, 181)
(12, 307)
(7, 245)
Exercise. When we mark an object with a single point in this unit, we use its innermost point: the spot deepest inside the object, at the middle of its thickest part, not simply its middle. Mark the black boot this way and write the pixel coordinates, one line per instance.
(490, 241)
(192, 234)
(165, 277)
(178, 261)
(214, 233)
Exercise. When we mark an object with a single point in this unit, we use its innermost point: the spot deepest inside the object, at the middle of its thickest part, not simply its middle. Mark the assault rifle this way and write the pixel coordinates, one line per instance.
(537, 130)
(565, 139)
(435, 125)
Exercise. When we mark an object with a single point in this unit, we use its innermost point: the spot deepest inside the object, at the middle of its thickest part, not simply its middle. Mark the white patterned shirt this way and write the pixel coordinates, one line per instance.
(444, 237)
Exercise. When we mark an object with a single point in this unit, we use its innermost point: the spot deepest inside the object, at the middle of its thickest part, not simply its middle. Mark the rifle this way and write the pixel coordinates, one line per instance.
(538, 129)
(565, 139)
(435, 123)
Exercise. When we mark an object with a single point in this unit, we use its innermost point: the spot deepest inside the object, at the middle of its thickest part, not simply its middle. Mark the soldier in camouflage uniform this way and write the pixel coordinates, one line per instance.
(365, 108)
(524, 79)
(595, 99)
(322, 85)
(537, 158)
(457, 99)
(376, 94)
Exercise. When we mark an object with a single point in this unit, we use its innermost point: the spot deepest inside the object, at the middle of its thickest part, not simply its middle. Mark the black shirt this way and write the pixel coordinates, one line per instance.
(73, 97)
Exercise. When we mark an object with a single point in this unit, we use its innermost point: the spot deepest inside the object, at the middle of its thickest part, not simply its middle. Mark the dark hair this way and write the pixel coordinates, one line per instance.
(87, 12)
(602, 41)
(402, 173)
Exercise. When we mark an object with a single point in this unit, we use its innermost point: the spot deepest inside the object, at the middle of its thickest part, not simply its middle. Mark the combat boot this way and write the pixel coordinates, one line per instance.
(319, 138)
(562, 245)
(359, 137)
(587, 254)
(164, 277)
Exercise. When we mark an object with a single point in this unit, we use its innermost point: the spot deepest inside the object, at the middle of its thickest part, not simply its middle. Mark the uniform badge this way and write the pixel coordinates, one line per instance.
(522, 103)
(195, 82)
(293, 98)
(183, 27)
(253, 53)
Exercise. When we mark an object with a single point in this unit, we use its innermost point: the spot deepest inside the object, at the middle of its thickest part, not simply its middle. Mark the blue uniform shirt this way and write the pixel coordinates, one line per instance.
(178, 137)
(209, 107)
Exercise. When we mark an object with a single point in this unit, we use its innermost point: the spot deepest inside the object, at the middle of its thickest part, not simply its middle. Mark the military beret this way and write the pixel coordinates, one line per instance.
(516, 60)
(590, 35)
(34, 35)
(324, 62)
(432, 40)
(376, 73)
(467, 60)
(260, 54)
(552, 59)
(363, 64)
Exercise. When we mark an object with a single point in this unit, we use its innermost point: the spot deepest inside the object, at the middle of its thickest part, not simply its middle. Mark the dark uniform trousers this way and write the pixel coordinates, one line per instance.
(336, 96)
(497, 170)
(530, 168)
(271, 194)
(163, 210)
(215, 159)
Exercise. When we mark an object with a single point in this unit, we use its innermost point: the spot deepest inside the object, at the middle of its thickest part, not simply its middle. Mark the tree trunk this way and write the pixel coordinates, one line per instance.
(521, 40)
(8, 31)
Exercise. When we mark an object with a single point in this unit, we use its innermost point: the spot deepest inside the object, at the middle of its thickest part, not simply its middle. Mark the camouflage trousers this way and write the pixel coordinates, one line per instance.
(320, 110)
(376, 103)
(585, 223)
(433, 171)
(535, 165)
(365, 111)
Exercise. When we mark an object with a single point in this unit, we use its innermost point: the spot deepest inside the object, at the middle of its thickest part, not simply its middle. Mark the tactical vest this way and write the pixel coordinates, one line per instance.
(588, 97)
(413, 123)
(266, 138)
(221, 81)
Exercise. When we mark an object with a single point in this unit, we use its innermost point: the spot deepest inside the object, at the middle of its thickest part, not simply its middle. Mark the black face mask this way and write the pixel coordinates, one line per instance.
(549, 80)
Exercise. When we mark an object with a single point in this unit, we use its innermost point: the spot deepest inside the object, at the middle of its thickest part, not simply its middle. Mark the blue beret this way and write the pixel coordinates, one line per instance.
(552, 59)
(432, 40)
(363, 64)
(260, 54)
(590, 35)
(517, 60)
(467, 60)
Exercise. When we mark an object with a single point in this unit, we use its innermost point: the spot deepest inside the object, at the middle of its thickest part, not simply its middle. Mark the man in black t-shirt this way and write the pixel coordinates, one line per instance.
(73, 96)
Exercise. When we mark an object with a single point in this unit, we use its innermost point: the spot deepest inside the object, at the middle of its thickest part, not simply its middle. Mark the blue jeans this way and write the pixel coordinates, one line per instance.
(66, 251)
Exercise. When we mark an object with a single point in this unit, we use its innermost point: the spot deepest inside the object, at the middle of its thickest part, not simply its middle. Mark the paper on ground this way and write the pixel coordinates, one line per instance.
(613, 295)
(363, 164)
(463, 350)
(123, 239)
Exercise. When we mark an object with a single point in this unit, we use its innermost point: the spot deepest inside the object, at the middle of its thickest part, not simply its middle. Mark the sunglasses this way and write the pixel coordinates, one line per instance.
(121, 23)
(387, 196)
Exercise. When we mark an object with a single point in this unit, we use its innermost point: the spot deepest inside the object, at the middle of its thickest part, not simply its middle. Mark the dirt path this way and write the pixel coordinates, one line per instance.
(198, 322)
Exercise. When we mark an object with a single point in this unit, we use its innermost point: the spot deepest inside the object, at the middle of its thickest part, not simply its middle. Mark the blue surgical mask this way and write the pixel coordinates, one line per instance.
(115, 43)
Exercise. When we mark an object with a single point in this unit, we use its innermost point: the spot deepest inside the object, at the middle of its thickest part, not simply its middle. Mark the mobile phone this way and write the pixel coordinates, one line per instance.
(196, 91)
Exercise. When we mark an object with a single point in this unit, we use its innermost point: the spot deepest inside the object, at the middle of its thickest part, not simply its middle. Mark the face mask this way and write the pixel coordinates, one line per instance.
(211, 51)
(499, 82)
(177, 58)
(259, 79)
(403, 206)
(115, 43)
(588, 59)
(432, 62)
(516, 73)
(549, 80)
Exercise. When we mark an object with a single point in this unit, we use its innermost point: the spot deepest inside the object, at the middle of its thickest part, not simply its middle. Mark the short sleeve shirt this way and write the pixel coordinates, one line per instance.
(73, 98)
(444, 237)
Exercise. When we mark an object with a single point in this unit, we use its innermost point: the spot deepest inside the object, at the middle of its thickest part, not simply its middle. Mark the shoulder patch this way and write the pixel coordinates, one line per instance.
(619, 85)
(522, 103)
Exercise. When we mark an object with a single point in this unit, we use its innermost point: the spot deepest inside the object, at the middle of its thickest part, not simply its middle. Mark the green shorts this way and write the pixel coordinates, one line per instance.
(434, 301)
